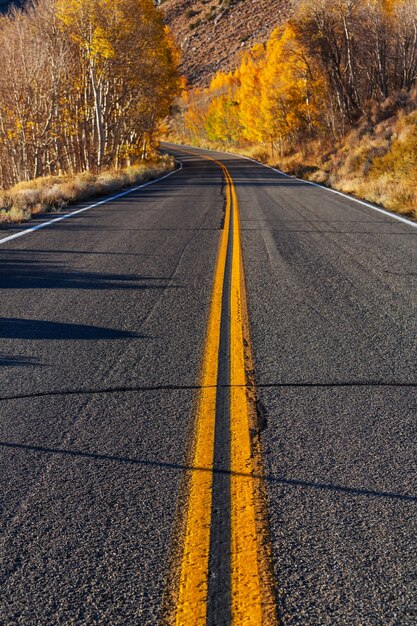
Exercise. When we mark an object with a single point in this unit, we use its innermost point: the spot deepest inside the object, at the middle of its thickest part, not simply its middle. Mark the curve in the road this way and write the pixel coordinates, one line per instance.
(55, 220)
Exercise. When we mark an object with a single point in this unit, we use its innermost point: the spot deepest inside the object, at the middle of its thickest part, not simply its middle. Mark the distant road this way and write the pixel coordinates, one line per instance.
(120, 431)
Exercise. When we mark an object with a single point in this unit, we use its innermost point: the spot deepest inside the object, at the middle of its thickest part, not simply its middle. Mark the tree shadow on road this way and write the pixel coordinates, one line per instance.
(353, 491)
(8, 360)
(29, 329)
(30, 273)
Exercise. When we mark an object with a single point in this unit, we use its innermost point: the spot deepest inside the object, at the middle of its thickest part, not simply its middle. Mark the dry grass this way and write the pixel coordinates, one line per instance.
(375, 162)
(379, 166)
(53, 193)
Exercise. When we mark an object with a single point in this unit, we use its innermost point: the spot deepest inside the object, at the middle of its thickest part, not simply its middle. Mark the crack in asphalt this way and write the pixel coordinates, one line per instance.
(139, 389)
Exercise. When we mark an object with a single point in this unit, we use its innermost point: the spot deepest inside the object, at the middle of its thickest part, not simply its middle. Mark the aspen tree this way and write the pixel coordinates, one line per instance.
(84, 85)
(290, 91)
(249, 94)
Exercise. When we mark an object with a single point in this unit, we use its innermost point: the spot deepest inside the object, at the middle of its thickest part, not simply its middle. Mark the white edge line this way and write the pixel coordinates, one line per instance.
(87, 208)
(309, 182)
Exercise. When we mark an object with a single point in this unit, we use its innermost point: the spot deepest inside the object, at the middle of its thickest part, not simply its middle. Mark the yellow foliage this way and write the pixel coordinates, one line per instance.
(100, 45)
(84, 86)
(290, 89)
(249, 94)
(274, 95)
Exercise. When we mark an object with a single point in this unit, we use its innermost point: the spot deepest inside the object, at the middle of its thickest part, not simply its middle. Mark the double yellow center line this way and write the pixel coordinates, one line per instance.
(251, 592)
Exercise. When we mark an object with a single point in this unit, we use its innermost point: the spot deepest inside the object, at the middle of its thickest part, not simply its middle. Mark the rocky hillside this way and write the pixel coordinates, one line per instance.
(211, 34)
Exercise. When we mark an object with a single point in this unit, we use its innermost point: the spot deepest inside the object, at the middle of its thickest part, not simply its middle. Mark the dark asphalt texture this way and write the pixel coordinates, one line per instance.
(102, 321)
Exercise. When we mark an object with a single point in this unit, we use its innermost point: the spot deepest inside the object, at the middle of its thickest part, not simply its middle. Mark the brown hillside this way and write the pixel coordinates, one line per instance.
(211, 34)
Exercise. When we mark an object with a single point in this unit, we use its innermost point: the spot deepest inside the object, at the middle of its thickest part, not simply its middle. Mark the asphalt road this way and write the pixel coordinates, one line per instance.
(102, 327)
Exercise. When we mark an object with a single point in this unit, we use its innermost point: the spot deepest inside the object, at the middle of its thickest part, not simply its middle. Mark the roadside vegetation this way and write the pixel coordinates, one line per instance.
(54, 193)
(84, 86)
(331, 97)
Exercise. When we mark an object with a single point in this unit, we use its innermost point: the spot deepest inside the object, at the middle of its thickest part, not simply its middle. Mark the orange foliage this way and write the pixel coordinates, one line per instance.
(318, 75)
(272, 97)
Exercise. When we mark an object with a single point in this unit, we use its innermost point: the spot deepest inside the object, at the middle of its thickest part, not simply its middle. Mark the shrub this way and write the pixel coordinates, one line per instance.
(261, 155)
(401, 160)
(190, 13)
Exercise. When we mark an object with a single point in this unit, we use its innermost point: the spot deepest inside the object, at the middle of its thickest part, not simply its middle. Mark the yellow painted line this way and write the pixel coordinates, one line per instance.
(252, 595)
(191, 606)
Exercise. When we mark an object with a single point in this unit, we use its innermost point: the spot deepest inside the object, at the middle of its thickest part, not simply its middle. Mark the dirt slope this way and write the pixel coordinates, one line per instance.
(211, 34)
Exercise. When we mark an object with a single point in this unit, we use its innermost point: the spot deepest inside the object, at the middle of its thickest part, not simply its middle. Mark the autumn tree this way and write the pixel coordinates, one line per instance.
(84, 85)
(291, 89)
(222, 120)
(249, 94)
(367, 49)
(318, 75)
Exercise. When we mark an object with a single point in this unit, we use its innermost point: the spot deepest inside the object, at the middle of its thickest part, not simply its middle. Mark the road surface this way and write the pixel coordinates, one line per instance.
(106, 324)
